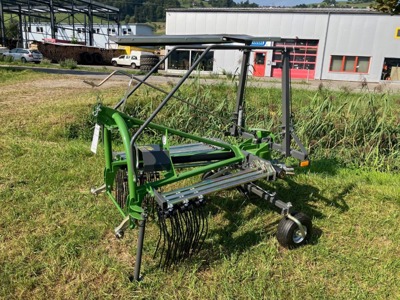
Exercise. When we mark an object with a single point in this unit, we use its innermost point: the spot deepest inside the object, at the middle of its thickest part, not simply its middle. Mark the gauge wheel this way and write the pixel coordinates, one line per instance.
(289, 234)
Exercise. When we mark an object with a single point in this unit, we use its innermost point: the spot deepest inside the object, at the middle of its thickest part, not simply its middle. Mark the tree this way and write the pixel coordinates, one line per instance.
(330, 2)
(387, 6)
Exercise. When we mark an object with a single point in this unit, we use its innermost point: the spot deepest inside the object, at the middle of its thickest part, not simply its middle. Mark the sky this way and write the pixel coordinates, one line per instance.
(283, 2)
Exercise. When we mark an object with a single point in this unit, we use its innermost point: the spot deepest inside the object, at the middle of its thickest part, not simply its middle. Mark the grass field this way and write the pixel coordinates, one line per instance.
(56, 238)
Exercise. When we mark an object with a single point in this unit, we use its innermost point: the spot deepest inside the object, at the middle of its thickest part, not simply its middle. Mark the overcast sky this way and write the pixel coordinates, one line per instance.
(283, 2)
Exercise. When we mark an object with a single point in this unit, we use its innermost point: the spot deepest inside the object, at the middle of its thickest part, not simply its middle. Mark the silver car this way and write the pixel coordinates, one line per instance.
(25, 55)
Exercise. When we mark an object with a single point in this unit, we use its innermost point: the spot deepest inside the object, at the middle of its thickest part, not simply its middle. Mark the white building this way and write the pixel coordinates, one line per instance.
(101, 33)
(333, 44)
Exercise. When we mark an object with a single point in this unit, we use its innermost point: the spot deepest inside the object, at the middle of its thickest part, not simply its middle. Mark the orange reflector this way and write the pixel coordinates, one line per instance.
(304, 163)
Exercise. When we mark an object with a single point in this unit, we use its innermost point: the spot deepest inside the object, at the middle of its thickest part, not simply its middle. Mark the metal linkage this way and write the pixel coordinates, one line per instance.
(183, 230)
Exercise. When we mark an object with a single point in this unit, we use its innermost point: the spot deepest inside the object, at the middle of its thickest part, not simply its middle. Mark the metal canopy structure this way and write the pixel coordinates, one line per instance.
(30, 10)
(162, 40)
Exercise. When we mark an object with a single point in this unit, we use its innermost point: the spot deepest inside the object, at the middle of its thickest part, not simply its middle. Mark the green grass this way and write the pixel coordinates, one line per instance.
(56, 238)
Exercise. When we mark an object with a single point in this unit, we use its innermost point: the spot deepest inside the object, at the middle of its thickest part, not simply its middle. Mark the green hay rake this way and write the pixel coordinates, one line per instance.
(135, 178)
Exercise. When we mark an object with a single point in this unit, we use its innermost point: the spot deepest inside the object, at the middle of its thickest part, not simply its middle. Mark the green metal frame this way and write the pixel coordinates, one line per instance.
(112, 119)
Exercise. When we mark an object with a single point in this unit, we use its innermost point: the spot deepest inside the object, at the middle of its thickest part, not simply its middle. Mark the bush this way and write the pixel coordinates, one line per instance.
(69, 64)
(46, 62)
(7, 59)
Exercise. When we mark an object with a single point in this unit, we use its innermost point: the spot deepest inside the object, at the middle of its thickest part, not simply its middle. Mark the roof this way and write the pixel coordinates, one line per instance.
(161, 40)
(291, 10)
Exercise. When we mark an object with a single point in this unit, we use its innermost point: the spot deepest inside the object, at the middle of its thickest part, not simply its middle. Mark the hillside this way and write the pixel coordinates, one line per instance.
(142, 11)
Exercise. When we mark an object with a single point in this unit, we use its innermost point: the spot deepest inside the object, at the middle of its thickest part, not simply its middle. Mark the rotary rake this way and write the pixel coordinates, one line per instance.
(136, 177)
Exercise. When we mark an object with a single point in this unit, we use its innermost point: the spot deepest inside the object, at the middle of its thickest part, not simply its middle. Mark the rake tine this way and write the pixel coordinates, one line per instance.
(182, 235)
(171, 245)
(160, 233)
(165, 239)
(175, 240)
(191, 231)
(186, 233)
(196, 232)
(196, 228)
(204, 228)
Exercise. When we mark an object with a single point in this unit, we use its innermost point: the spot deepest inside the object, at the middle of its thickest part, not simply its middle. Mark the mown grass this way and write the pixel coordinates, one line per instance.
(56, 238)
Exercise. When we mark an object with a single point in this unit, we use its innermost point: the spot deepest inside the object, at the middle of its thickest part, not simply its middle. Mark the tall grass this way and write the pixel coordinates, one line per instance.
(56, 239)
(356, 129)
(359, 130)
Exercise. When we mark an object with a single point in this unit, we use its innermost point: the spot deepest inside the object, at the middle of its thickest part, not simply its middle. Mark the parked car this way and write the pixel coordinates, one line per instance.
(25, 55)
(126, 60)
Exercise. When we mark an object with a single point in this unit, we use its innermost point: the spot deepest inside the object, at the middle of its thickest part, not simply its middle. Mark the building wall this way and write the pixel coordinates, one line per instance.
(40, 31)
(358, 34)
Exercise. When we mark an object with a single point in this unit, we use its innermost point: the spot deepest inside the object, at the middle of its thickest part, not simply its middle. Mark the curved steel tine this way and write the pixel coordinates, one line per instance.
(160, 233)
(204, 232)
(171, 238)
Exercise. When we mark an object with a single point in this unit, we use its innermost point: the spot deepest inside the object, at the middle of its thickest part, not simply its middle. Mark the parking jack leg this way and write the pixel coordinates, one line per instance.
(142, 225)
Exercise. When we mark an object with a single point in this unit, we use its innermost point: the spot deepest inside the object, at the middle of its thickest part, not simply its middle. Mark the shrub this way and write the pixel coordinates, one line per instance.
(46, 62)
(69, 64)
(6, 59)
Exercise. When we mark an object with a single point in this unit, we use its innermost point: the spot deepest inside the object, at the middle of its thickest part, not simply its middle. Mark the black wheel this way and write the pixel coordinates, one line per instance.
(133, 65)
(146, 68)
(97, 58)
(289, 234)
(121, 187)
(86, 58)
(23, 60)
(150, 61)
(114, 63)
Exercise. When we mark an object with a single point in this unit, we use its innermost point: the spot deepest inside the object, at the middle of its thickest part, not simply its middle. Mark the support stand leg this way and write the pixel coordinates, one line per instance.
(142, 225)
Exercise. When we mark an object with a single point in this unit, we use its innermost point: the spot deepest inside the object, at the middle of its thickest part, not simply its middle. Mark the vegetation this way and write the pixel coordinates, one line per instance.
(339, 4)
(154, 10)
(56, 238)
(68, 64)
(387, 6)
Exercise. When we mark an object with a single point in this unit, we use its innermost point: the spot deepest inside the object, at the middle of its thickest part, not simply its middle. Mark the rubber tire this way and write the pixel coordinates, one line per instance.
(23, 60)
(287, 229)
(149, 61)
(147, 68)
(133, 66)
(97, 58)
(114, 63)
(86, 58)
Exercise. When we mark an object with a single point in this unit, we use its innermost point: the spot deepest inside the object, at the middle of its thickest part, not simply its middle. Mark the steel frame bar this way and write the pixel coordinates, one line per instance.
(28, 8)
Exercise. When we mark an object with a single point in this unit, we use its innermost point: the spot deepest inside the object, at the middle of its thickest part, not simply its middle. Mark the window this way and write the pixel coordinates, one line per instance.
(179, 60)
(206, 63)
(351, 64)
(182, 60)
(303, 54)
(260, 59)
